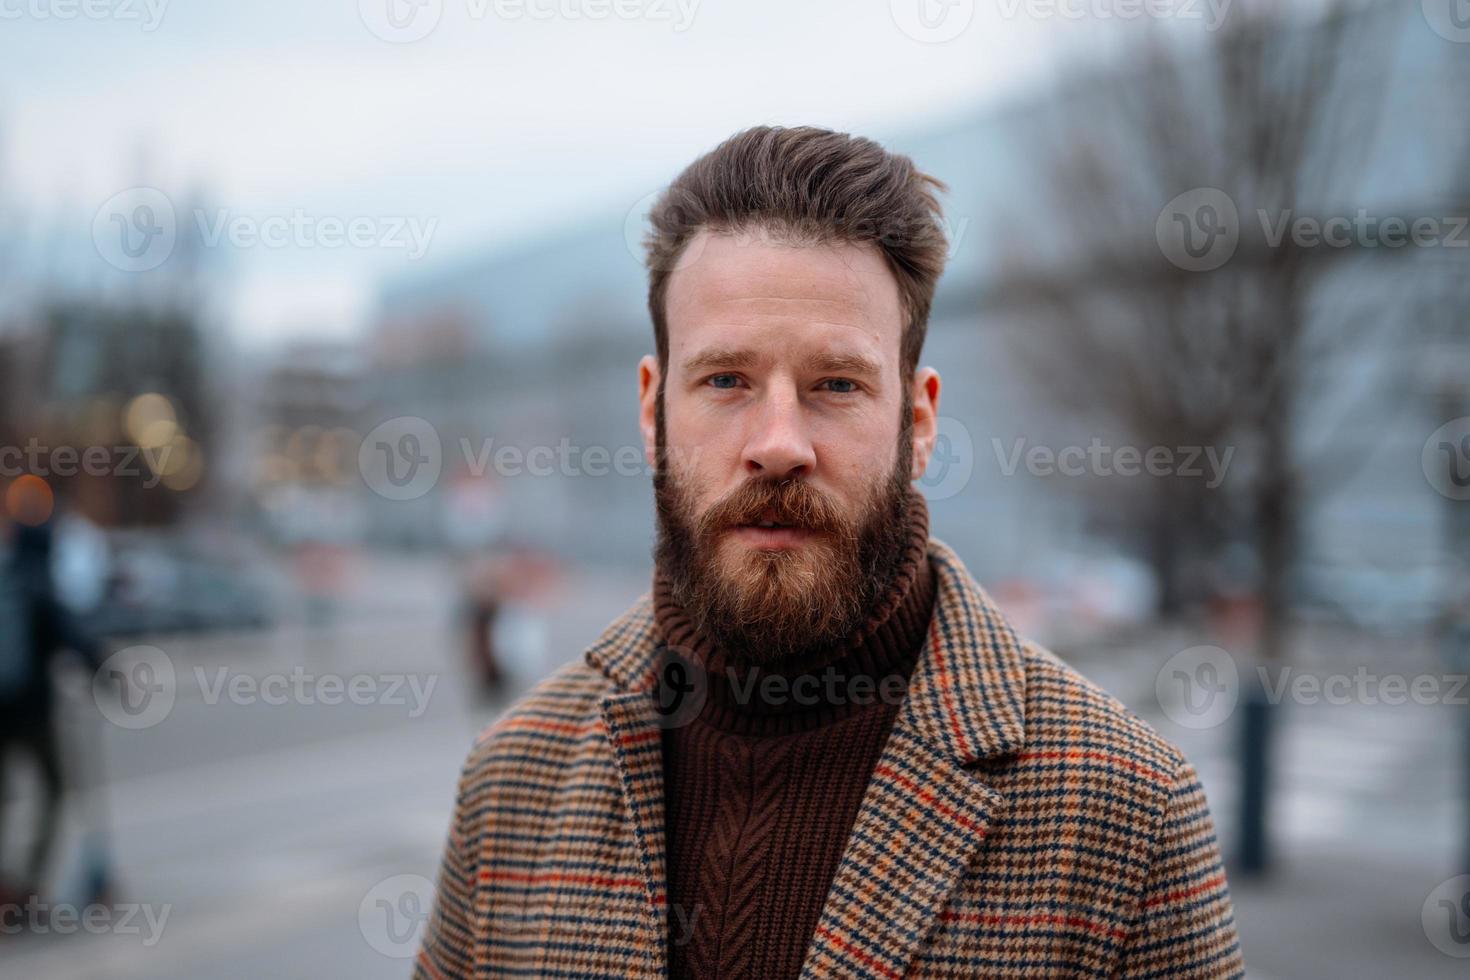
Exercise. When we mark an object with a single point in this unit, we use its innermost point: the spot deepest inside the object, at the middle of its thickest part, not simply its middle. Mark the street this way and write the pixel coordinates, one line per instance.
(273, 839)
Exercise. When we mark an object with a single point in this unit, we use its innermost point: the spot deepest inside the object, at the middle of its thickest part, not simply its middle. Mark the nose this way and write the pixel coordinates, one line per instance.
(779, 446)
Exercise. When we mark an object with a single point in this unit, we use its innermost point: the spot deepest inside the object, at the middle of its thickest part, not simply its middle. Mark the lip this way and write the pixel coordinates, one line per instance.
(774, 537)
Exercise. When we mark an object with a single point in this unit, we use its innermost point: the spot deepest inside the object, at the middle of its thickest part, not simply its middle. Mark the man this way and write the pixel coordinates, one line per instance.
(815, 747)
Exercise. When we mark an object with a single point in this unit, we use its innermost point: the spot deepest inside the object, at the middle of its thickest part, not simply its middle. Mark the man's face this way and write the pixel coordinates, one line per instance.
(787, 455)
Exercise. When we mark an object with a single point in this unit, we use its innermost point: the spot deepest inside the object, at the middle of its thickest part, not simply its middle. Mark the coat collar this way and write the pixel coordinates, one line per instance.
(925, 813)
(967, 691)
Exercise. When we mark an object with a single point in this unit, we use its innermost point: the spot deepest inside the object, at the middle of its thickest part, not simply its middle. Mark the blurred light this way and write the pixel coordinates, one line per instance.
(274, 468)
(333, 453)
(150, 420)
(184, 466)
(176, 457)
(301, 445)
(29, 500)
(157, 434)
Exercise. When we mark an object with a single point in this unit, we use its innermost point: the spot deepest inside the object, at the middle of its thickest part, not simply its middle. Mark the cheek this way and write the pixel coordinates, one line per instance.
(855, 471)
(857, 450)
(703, 447)
(698, 460)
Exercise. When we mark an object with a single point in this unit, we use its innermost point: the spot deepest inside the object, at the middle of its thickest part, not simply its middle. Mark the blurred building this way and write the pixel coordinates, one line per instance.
(302, 439)
(535, 344)
(114, 405)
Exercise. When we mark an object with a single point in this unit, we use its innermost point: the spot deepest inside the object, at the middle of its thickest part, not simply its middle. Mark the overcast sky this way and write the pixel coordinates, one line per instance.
(505, 118)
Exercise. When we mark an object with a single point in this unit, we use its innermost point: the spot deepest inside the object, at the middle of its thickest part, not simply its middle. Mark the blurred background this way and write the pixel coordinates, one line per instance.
(318, 335)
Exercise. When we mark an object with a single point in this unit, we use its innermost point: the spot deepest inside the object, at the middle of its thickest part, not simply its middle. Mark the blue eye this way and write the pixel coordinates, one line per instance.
(718, 378)
(851, 386)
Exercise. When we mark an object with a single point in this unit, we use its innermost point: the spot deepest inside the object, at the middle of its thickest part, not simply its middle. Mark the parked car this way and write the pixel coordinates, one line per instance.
(162, 585)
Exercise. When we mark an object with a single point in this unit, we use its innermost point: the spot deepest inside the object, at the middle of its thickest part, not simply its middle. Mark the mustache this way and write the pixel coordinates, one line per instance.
(792, 502)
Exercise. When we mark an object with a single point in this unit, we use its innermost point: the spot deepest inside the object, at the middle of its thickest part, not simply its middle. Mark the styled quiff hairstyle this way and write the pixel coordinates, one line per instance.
(806, 186)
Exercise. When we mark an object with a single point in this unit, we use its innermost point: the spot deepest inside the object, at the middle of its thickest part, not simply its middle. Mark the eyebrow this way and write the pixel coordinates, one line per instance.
(731, 358)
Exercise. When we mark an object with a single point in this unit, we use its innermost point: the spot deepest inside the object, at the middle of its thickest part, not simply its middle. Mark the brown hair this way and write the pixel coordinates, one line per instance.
(809, 186)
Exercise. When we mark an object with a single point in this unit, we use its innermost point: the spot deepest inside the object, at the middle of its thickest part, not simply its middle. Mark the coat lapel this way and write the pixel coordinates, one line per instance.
(634, 736)
(626, 652)
(925, 815)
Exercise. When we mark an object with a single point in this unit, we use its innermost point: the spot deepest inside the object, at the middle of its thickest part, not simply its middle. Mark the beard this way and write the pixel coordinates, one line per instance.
(772, 606)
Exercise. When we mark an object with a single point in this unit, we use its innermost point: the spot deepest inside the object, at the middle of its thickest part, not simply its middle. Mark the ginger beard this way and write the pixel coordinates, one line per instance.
(773, 605)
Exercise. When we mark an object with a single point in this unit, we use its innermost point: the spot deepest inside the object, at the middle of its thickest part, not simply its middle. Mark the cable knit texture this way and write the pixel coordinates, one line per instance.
(763, 784)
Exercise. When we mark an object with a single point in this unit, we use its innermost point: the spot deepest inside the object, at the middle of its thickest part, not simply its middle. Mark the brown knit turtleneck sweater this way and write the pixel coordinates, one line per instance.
(761, 792)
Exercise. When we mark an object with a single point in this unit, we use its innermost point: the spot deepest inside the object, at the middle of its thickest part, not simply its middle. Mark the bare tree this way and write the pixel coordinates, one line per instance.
(1156, 305)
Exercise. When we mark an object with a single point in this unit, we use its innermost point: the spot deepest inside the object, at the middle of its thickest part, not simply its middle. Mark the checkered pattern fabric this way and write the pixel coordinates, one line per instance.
(1019, 823)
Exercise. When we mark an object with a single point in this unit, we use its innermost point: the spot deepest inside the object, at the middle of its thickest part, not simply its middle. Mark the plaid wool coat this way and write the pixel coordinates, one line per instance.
(1020, 823)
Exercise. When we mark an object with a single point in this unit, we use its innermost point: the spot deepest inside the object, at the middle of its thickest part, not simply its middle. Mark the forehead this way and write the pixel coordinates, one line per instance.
(755, 288)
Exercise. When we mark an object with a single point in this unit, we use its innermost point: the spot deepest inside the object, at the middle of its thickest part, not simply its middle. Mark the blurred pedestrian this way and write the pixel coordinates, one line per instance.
(34, 627)
(480, 610)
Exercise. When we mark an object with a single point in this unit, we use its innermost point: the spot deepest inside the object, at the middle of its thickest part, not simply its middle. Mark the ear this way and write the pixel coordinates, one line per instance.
(926, 418)
(648, 379)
